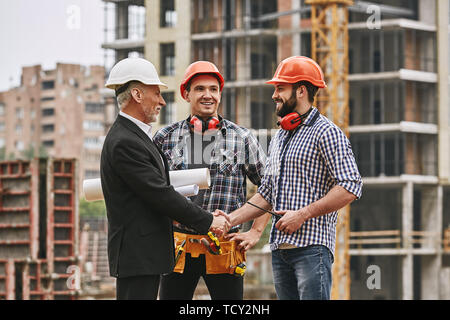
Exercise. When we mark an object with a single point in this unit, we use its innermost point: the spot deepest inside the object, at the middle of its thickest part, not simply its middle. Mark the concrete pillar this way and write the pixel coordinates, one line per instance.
(296, 19)
(427, 11)
(432, 210)
(285, 44)
(442, 21)
(431, 215)
(182, 40)
(407, 227)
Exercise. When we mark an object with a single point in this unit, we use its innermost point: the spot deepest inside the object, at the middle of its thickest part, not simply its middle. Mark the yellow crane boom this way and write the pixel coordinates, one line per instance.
(329, 37)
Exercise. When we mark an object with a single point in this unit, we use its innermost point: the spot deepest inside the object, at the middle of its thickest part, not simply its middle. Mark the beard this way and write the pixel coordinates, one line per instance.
(287, 107)
(150, 115)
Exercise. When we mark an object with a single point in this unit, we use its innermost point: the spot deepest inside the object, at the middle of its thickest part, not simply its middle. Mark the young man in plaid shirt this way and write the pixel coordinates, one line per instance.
(232, 154)
(310, 174)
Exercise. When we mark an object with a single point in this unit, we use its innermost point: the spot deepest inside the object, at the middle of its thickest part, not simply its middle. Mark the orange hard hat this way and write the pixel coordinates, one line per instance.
(200, 67)
(296, 69)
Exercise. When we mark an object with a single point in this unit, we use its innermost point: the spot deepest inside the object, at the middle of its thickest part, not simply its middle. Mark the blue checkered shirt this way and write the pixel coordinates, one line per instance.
(303, 165)
(236, 154)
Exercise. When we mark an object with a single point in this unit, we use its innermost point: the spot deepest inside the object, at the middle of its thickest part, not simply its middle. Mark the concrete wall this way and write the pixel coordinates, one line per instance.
(182, 38)
(443, 86)
(427, 11)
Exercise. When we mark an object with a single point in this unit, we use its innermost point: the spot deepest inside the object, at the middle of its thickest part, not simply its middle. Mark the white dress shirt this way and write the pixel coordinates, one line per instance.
(147, 128)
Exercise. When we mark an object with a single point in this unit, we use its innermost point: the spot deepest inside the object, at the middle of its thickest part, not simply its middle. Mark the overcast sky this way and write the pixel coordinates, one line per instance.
(46, 32)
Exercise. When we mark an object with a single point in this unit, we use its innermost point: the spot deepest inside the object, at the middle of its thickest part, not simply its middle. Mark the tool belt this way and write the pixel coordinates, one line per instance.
(229, 261)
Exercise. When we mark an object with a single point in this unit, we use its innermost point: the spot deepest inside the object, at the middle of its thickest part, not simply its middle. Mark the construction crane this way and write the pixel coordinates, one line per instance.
(329, 37)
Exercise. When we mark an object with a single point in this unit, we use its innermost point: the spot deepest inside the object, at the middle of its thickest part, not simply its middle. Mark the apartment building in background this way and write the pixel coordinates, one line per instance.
(58, 113)
(399, 111)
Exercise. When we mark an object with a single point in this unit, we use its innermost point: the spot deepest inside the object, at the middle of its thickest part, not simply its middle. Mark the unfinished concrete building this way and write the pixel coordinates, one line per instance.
(59, 113)
(399, 113)
(124, 36)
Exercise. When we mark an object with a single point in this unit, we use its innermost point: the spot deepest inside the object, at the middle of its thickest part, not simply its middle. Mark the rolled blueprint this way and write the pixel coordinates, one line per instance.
(186, 182)
(199, 177)
(188, 191)
(92, 189)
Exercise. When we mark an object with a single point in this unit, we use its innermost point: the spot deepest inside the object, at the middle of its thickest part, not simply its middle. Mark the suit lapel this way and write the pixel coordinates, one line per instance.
(158, 155)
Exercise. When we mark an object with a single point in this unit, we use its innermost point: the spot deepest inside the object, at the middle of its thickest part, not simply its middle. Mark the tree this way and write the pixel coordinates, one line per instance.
(28, 153)
(42, 152)
(92, 209)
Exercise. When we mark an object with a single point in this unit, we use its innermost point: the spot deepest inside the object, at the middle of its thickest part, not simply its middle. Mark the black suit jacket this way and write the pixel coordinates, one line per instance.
(141, 204)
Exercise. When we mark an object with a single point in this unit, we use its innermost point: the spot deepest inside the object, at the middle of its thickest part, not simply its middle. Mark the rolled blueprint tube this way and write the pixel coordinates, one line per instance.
(186, 182)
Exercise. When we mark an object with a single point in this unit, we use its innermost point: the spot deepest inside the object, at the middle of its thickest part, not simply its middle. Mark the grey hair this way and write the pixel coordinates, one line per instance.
(124, 97)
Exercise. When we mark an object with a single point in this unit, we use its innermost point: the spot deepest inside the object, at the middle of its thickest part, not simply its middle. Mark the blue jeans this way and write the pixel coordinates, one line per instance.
(302, 273)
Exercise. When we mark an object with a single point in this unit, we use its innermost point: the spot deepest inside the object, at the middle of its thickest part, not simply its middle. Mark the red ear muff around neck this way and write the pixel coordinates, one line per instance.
(196, 124)
(201, 126)
(213, 123)
(291, 121)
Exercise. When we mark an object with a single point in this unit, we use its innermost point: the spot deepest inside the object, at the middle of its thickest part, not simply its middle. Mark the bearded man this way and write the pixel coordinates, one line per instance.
(310, 174)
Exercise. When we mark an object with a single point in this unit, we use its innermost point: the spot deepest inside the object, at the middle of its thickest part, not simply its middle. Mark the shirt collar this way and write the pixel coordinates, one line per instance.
(312, 117)
(147, 128)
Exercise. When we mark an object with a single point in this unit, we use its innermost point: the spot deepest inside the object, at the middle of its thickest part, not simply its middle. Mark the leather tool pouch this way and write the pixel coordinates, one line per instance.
(215, 264)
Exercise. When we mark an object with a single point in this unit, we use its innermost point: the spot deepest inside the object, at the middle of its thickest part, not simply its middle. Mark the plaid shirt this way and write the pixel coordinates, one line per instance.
(235, 155)
(303, 166)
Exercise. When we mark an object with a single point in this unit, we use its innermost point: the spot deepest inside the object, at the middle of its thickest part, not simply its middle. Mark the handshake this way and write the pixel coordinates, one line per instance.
(221, 223)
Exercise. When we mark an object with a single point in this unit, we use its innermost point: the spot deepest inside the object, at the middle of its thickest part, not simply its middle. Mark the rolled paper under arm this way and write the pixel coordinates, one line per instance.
(200, 177)
(188, 191)
(92, 189)
(185, 182)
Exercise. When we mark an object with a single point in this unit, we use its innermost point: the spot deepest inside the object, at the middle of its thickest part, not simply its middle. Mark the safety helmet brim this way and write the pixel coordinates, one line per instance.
(128, 79)
(319, 84)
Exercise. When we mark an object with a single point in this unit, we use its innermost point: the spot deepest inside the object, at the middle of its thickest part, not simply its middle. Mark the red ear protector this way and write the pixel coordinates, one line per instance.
(291, 121)
(200, 125)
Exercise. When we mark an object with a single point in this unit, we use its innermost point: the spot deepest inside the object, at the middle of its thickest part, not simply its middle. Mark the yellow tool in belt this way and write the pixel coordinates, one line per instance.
(180, 250)
(215, 245)
(240, 269)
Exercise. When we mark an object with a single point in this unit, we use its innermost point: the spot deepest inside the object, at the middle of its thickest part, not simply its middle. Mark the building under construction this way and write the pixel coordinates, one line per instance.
(39, 239)
(398, 106)
(52, 107)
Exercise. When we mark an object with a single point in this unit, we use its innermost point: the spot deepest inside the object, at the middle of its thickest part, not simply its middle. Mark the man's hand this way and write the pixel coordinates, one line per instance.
(221, 223)
(291, 220)
(246, 240)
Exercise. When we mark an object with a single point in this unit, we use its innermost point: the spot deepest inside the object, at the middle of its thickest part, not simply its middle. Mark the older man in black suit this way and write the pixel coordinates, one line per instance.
(140, 201)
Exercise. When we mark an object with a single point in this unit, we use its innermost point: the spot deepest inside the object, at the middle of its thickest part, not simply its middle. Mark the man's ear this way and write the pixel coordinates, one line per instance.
(137, 95)
(301, 92)
(186, 94)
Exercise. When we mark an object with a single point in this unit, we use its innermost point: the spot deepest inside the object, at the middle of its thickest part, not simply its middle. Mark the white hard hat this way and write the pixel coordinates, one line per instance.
(133, 69)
